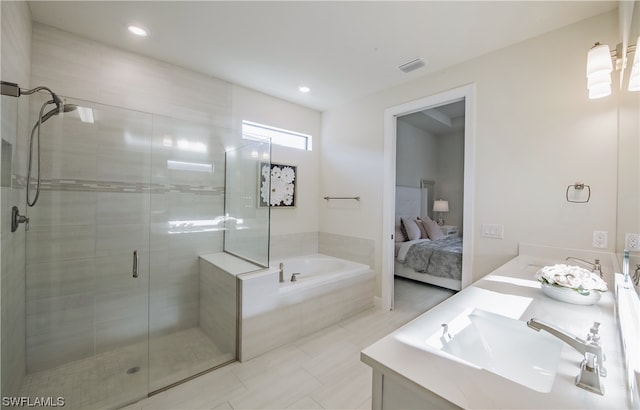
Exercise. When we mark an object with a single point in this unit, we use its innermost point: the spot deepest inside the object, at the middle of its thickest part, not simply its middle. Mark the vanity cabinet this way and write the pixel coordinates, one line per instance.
(395, 392)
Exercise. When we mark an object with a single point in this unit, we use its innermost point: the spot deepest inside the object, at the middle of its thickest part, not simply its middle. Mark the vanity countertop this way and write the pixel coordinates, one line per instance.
(511, 291)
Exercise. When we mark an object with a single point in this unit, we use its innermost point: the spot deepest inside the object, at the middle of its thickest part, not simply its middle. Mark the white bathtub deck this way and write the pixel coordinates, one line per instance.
(273, 314)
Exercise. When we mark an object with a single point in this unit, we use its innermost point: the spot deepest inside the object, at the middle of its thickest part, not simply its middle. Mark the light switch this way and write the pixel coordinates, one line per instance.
(492, 231)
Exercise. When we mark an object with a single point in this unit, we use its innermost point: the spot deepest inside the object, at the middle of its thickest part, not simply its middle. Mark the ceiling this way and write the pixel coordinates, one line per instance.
(341, 50)
(439, 121)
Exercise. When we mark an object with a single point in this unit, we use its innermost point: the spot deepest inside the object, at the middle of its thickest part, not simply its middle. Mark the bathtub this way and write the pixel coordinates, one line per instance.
(326, 291)
(317, 269)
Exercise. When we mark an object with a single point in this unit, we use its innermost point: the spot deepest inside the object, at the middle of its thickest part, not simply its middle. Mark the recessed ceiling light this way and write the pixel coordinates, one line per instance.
(138, 31)
(304, 89)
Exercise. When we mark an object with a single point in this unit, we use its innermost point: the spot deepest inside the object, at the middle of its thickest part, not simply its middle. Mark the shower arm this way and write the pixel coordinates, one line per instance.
(14, 90)
(55, 99)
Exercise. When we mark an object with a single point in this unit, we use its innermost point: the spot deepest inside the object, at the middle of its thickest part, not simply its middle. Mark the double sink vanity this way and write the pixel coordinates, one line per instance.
(503, 343)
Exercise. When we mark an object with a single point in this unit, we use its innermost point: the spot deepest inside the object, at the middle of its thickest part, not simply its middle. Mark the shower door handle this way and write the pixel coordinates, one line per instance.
(136, 261)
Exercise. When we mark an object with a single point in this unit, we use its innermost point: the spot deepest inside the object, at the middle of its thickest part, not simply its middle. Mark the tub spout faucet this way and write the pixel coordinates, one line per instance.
(592, 366)
(595, 266)
(281, 272)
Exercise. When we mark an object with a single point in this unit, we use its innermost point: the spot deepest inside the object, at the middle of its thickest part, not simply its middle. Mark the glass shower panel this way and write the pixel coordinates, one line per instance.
(247, 214)
(187, 203)
(87, 264)
(12, 251)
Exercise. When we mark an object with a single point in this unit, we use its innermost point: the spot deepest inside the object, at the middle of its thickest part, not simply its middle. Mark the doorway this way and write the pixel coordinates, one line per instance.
(465, 96)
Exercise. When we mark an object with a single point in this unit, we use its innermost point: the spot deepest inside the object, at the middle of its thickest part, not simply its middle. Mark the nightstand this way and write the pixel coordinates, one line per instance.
(449, 230)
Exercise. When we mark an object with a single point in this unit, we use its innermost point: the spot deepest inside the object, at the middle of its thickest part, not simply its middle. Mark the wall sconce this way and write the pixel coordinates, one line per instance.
(440, 205)
(634, 78)
(599, 67)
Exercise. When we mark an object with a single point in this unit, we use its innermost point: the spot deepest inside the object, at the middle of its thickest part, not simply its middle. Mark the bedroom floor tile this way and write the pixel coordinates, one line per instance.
(319, 371)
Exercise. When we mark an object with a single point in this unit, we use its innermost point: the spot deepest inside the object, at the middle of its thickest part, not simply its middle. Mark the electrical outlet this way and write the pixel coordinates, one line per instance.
(632, 242)
(600, 239)
(492, 231)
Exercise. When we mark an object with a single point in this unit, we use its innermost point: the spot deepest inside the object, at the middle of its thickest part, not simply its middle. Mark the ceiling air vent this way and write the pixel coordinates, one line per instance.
(412, 65)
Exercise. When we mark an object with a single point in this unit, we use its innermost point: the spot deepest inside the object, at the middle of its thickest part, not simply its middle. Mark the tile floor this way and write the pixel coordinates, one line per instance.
(320, 371)
(103, 380)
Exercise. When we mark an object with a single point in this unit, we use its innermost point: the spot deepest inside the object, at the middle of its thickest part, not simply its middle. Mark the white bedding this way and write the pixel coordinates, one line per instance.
(404, 248)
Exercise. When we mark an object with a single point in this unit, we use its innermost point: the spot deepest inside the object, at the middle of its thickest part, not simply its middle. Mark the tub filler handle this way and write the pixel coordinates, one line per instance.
(293, 277)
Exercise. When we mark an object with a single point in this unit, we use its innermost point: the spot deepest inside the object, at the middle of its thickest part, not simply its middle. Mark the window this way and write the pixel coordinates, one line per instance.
(291, 139)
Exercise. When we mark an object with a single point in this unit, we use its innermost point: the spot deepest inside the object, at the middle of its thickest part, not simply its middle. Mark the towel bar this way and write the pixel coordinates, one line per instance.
(357, 198)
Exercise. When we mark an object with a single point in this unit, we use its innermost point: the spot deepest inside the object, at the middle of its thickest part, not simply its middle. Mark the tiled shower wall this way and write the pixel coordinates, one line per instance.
(16, 56)
(108, 190)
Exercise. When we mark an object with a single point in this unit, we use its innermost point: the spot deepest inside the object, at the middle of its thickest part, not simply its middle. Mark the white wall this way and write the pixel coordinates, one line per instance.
(417, 156)
(450, 177)
(536, 132)
(420, 155)
(261, 108)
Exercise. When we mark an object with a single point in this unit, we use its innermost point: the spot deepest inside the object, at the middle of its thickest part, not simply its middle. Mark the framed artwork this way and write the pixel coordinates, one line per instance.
(281, 191)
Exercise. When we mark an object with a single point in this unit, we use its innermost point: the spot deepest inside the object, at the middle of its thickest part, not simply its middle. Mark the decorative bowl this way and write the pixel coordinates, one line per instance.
(569, 295)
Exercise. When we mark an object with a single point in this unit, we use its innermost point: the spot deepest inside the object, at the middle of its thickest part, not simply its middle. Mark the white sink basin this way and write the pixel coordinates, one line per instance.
(501, 345)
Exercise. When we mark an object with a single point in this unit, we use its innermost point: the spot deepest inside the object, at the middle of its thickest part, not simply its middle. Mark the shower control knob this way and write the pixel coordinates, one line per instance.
(17, 219)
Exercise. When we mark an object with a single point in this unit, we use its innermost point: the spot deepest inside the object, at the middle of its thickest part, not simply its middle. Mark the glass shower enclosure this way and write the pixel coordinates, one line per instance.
(247, 222)
(113, 299)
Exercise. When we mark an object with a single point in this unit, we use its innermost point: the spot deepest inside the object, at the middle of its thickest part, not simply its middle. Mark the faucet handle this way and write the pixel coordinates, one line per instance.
(593, 337)
(293, 276)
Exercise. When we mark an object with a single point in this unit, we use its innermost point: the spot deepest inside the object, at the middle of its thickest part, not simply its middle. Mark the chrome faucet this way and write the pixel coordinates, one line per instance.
(281, 272)
(636, 275)
(595, 266)
(293, 276)
(592, 366)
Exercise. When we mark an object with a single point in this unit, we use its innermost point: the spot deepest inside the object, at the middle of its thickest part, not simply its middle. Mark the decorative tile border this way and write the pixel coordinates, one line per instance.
(77, 185)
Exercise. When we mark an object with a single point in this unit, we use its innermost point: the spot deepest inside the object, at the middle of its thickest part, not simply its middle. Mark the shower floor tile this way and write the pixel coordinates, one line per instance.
(179, 355)
(118, 377)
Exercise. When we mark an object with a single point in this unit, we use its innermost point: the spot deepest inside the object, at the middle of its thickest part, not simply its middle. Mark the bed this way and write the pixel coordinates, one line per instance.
(435, 261)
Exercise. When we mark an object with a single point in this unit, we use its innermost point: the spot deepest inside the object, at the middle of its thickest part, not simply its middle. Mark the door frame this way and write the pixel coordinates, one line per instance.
(391, 114)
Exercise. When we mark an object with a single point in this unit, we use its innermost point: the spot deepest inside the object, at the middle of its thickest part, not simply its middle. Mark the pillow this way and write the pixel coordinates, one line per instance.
(411, 227)
(423, 231)
(433, 229)
(399, 235)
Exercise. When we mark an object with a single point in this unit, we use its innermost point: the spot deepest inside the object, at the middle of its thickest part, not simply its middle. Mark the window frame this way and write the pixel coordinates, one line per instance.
(272, 134)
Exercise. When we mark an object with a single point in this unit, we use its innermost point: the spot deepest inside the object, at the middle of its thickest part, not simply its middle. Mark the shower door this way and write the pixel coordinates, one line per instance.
(116, 305)
(192, 317)
(87, 263)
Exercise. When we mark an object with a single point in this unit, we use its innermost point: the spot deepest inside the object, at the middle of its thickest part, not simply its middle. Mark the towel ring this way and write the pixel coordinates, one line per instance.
(579, 187)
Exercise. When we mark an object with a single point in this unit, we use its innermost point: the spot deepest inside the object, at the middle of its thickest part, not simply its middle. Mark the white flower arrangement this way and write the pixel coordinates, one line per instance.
(572, 277)
(281, 190)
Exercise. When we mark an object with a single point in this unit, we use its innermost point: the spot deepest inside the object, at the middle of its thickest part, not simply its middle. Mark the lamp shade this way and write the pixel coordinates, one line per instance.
(599, 60)
(441, 205)
(599, 67)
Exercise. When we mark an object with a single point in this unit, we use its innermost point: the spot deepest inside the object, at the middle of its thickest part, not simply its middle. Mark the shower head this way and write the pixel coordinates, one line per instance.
(56, 111)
